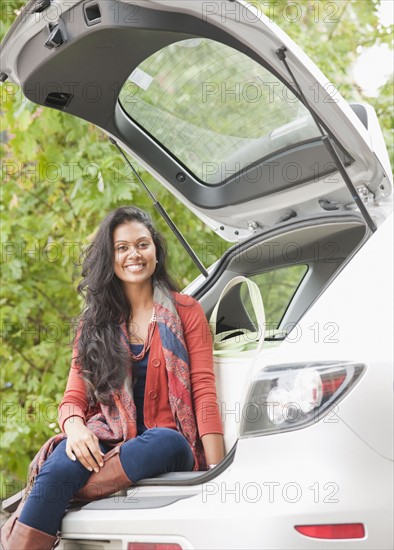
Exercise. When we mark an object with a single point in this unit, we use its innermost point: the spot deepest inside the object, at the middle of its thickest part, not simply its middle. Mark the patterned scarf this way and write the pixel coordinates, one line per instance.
(118, 423)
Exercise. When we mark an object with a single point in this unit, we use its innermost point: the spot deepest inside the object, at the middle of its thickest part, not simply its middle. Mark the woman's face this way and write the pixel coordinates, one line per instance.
(134, 253)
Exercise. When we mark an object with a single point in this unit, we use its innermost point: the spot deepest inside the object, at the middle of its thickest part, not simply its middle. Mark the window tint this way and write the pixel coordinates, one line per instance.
(277, 288)
(214, 108)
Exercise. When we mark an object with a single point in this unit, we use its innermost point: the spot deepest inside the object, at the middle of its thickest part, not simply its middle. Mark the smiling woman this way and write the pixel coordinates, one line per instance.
(140, 380)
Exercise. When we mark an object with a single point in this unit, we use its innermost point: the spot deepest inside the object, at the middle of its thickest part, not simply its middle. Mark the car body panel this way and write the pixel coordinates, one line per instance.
(331, 330)
(255, 504)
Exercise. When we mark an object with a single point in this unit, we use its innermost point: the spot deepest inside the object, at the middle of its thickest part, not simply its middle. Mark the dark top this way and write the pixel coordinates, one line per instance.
(140, 368)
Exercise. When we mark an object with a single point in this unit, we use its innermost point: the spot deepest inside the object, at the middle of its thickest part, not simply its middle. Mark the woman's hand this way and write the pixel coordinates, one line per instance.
(82, 444)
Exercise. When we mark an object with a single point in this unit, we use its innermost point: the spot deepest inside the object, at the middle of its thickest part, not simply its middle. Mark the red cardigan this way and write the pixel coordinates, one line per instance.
(157, 411)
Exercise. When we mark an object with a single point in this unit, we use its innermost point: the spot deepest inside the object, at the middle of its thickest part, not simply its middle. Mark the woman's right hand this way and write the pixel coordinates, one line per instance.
(83, 444)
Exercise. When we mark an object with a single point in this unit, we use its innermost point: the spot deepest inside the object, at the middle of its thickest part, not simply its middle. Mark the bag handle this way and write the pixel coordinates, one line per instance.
(257, 304)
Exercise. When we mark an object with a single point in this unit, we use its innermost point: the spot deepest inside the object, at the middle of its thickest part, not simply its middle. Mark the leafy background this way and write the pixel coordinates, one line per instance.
(60, 177)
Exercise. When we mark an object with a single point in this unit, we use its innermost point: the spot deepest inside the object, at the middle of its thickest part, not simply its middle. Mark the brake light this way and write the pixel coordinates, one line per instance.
(293, 396)
(331, 385)
(153, 546)
(334, 531)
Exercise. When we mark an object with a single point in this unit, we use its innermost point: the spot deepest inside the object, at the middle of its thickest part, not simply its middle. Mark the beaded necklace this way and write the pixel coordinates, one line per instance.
(148, 341)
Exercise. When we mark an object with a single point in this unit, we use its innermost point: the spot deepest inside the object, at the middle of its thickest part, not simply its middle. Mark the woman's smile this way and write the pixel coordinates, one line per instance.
(134, 267)
(134, 253)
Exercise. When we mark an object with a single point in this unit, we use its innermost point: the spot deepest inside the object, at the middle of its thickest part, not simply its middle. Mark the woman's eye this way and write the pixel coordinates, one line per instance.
(121, 248)
(143, 245)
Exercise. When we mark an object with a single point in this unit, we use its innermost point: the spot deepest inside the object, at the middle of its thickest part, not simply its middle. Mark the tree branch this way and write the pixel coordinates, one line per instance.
(28, 361)
(40, 200)
(62, 316)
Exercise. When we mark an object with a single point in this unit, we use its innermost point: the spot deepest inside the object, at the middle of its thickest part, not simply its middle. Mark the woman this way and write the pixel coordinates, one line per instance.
(140, 398)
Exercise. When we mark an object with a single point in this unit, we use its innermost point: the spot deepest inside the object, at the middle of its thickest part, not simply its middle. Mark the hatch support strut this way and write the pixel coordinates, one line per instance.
(164, 214)
(328, 143)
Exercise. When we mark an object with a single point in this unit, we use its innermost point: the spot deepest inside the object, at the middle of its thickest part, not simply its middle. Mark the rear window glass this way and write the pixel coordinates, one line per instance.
(213, 108)
(277, 288)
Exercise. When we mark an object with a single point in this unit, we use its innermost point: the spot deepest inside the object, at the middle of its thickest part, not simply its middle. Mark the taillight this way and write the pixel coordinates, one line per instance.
(293, 396)
(333, 531)
(153, 546)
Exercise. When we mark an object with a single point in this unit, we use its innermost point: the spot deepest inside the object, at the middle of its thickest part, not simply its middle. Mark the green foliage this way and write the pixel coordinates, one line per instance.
(384, 107)
(277, 288)
(61, 176)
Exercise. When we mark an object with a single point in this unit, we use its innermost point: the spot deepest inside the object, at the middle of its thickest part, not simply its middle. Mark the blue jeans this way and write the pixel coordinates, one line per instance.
(156, 451)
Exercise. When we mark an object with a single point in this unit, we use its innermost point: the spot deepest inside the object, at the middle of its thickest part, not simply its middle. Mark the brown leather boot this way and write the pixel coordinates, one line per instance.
(18, 536)
(23, 537)
(8, 527)
(110, 479)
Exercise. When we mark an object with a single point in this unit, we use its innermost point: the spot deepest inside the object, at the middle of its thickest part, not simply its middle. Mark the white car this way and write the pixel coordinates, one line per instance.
(238, 123)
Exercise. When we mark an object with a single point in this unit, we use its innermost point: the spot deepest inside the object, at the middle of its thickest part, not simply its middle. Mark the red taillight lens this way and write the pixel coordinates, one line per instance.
(153, 546)
(332, 383)
(334, 531)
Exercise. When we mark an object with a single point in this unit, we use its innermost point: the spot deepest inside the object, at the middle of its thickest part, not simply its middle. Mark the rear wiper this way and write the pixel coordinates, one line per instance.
(164, 214)
(328, 143)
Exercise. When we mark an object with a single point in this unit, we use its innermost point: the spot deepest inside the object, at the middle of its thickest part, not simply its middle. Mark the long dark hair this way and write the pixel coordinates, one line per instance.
(102, 357)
